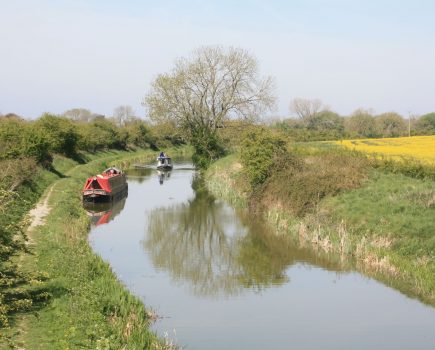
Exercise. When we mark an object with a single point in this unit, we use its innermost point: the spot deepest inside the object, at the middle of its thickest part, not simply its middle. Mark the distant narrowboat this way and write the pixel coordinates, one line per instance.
(107, 186)
(164, 162)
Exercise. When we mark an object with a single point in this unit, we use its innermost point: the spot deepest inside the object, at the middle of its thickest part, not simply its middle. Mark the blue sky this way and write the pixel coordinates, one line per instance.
(57, 55)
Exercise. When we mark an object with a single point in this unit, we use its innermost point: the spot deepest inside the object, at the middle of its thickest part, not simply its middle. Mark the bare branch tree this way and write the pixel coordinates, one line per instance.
(79, 114)
(208, 88)
(123, 114)
(306, 109)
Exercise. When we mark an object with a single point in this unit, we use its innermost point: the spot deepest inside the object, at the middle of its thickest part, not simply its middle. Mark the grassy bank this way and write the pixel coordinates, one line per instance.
(386, 224)
(84, 305)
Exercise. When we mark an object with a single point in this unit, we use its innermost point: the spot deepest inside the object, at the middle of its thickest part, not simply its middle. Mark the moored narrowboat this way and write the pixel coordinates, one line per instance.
(107, 186)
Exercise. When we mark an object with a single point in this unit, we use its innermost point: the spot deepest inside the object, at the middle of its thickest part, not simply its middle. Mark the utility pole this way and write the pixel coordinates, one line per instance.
(409, 124)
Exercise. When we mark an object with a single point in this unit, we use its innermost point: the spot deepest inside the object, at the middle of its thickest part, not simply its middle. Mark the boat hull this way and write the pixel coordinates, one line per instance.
(105, 187)
(164, 163)
(104, 196)
(164, 167)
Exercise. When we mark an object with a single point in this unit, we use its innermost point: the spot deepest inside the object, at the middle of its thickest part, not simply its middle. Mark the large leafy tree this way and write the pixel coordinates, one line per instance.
(391, 124)
(426, 124)
(361, 124)
(203, 91)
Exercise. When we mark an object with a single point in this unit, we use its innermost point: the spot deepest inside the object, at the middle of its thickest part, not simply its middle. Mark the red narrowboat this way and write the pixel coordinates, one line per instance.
(107, 186)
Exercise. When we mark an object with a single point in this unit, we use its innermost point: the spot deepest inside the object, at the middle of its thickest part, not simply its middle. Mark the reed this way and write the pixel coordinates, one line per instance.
(384, 224)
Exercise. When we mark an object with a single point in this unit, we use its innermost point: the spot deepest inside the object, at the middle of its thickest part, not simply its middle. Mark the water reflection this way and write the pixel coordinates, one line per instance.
(163, 175)
(206, 269)
(139, 174)
(202, 242)
(103, 213)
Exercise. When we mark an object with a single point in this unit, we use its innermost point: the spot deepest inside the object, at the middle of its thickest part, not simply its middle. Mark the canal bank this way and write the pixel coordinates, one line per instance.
(218, 278)
(86, 306)
(333, 228)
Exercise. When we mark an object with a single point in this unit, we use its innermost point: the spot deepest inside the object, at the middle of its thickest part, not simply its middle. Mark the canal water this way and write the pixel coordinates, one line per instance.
(218, 279)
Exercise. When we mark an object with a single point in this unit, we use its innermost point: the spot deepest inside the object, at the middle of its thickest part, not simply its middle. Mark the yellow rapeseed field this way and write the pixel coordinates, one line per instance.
(421, 148)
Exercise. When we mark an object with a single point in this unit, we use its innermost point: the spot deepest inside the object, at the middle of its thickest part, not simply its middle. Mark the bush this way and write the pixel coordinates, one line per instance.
(426, 124)
(61, 133)
(140, 135)
(260, 151)
(208, 148)
(406, 166)
(100, 134)
(298, 184)
(21, 139)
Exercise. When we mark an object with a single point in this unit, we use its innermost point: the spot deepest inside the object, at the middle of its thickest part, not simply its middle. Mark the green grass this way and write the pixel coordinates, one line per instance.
(223, 179)
(386, 226)
(88, 307)
(400, 211)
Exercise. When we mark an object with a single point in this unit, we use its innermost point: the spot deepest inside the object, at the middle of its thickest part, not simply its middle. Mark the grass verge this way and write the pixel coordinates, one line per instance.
(86, 306)
(387, 226)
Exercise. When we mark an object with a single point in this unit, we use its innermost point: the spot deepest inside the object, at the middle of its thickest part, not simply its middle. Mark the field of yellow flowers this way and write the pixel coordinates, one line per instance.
(421, 148)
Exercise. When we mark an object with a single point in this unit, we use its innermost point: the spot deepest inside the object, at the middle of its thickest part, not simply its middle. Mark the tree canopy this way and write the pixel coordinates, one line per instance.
(203, 91)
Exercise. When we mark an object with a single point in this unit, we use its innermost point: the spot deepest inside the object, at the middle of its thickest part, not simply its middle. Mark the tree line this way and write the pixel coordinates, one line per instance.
(78, 130)
(28, 145)
(195, 102)
(315, 121)
(214, 86)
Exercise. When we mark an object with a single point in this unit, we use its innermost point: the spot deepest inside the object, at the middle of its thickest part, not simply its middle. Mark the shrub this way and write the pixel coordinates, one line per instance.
(426, 124)
(20, 139)
(99, 134)
(299, 184)
(260, 151)
(208, 148)
(140, 135)
(61, 133)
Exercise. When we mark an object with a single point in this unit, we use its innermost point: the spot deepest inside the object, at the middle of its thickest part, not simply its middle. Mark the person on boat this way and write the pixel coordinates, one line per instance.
(162, 155)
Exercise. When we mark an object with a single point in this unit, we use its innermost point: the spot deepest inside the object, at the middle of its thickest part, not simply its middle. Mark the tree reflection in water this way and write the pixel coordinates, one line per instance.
(216, 251)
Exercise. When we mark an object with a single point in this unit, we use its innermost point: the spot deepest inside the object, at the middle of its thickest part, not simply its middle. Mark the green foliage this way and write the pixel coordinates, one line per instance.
(60, 132)
(322, 128)
(19, 290)
(204, 91)
(21, 139)
(232, 134)
(426, 124)
(139, 134)
(326, 121)
(390, 125)
(208, 147)
(400, 209)
(260, 151)
(335, 201)
(52, 134)
(89, 307)
(299, 184)
(406, 166)
(361, 124)
(102, 134)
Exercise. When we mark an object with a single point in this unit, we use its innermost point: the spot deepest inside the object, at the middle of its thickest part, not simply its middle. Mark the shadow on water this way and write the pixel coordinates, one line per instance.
(203, 242)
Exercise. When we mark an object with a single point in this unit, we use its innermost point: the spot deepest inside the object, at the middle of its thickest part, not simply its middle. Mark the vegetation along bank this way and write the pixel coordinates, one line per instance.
(55, 293)
(70, 298)
(369, 210)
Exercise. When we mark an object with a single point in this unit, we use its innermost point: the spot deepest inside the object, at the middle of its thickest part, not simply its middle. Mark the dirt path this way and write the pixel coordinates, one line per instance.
(37, 217)
(42, 209)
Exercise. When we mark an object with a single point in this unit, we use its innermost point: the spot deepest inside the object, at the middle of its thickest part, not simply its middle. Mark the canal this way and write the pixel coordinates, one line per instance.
(218, 279)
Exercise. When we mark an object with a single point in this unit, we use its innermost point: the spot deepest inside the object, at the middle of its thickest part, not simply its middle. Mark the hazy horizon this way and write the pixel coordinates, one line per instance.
(58, 55)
